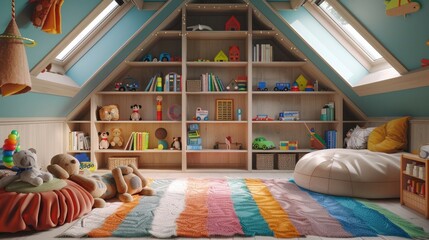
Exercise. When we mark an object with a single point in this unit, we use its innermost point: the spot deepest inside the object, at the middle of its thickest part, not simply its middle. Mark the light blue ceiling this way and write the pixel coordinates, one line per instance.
(404, 37)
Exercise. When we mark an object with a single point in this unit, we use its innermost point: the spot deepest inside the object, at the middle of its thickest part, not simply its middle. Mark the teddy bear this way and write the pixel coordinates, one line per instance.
(104, 142)
(123, 182)
(28, 171)
(117, 139)
(135, 115)
(109, 113)
(65, 166)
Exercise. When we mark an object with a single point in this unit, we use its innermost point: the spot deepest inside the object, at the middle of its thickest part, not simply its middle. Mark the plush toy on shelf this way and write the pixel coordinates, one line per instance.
(135, 115)
(104, 142)
(117, 139)
(109, 113)
(176, 144)
(28, 170)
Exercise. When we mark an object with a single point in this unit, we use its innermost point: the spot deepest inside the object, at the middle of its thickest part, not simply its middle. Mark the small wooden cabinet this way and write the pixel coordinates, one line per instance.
(414, 184)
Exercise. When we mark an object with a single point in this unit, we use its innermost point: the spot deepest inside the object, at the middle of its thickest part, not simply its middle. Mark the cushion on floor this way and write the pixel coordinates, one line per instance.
(43, 210)
(350, 172)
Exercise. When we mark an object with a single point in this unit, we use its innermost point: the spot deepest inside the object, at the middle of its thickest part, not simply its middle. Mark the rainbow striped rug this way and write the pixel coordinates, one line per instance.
(222, 207)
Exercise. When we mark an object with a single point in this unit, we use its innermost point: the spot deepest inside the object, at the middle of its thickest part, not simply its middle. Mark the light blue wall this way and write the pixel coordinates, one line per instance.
(405, 37)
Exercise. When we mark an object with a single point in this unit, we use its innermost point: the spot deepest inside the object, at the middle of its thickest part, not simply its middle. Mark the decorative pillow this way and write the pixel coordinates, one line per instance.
(390, 137)
(359, 138)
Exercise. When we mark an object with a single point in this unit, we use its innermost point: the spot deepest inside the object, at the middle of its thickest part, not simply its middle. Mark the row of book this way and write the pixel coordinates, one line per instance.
(79, 141)
(262, 53)
(137, 141)
(331, 138)
(211, 83)
(171, 82)
(327, 113)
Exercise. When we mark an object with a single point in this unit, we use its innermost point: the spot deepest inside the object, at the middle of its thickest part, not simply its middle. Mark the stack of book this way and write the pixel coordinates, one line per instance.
(331, 138)
(171, 82)
(79, 141)
(241, 82)
(194, 139)
(137, 141)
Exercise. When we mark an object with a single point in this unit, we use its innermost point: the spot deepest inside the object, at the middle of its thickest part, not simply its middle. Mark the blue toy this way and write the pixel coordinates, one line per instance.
(282, 87)
(164, 57)
(147, 58)
(262, 86)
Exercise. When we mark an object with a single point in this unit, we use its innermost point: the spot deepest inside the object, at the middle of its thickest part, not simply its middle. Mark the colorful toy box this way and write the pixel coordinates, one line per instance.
(288, 145)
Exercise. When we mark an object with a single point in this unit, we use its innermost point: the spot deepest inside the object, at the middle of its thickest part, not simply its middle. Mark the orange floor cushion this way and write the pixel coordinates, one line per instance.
(52, 206)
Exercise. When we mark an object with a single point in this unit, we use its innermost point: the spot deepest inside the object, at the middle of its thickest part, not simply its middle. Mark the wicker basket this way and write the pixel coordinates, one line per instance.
(287, 161)
(414, 201)
(193, 85)
(114, 162)
(264, 161)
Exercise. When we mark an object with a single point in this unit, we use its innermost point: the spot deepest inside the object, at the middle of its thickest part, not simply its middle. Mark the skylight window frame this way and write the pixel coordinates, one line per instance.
(93, 35)
(387, 60)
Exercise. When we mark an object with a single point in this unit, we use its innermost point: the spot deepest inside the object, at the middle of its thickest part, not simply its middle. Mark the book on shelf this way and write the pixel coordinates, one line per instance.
(78, 141)
(327, 113)
(331, 138)
(171, 82)
(262, 53)
(211, 83)
(137, 141)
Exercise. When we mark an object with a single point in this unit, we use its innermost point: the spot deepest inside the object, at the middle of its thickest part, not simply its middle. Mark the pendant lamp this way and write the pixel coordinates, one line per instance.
(14, 72)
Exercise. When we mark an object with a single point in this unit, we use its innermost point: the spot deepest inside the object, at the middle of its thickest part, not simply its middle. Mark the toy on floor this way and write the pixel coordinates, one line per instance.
(104, 142)
(65, 166)
(401, 7)
(117, 139)
(135, 115)
(11, 145)
(28, 170)
(123, 182)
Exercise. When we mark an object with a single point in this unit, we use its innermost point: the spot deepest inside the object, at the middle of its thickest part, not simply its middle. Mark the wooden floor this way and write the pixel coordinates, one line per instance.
(392, 205)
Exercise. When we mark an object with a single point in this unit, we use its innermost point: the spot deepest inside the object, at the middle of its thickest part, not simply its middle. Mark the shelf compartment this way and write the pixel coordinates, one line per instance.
(217, 64)
(168, 160)
(217, 122)
(220, 160)
(200, 47)
(208, 102)
(220, 151)
(138, 122)
(119, 93)
(218, 93)
(293, 93)
(414, 201)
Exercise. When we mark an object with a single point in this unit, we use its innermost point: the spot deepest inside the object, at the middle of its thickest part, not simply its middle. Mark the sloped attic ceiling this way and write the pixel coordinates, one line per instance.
(368, 12)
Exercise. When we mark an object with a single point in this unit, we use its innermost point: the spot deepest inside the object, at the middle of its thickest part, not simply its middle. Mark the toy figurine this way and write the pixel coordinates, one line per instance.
(176, 144)
(228, 141)
(104, 142)
(159, 108)
(135, 115)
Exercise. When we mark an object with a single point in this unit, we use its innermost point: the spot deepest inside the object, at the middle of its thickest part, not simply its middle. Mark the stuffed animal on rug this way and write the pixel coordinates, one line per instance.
(117, 139)
(28, 171)
(65, 166)
(123, 182)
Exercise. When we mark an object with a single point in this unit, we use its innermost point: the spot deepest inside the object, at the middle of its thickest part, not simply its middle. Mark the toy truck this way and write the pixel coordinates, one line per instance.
(201, 114)
(282, 87)
(262, 86)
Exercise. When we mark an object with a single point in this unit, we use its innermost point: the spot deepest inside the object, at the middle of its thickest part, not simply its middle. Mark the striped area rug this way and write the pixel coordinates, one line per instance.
(222, 207)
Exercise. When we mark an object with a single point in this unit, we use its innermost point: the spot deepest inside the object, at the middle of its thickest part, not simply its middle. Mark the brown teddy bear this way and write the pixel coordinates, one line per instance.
(125, 181)
(116, 140)
(65, 166)
(109, 113)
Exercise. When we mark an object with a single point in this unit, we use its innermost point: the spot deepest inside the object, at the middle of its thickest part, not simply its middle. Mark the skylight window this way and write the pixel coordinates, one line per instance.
(87, 31)
(350, 31)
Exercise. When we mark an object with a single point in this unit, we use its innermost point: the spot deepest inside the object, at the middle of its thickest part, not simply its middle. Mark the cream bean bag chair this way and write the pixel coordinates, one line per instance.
(350, 172)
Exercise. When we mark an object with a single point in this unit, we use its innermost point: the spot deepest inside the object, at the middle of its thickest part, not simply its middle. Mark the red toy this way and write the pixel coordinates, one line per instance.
(159, 108)
(234, 53)
(232, 24)
(425, 62)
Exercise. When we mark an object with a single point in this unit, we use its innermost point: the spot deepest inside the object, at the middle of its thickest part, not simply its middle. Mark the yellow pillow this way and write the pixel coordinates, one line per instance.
(390, 137)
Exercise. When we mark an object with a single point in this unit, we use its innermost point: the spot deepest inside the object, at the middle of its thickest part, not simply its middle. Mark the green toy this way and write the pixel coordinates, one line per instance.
(401, 7)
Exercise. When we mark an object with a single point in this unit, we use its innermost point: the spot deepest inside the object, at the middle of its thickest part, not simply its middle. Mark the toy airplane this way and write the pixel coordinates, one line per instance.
(401, 7)
(200, 27)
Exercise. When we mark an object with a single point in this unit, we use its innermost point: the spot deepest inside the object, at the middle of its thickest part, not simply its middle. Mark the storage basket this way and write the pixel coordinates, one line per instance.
(287, 161)
(264, 161)
(193, 85)
(414, 201)
(114, 162)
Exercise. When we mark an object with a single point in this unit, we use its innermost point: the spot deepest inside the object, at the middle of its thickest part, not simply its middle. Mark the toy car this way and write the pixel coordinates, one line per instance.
(132, 86)
(147, 58)
(262, 86)
(164, 57)
(282, 87)
(201, 114)
(262, 143)
(262, 117)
